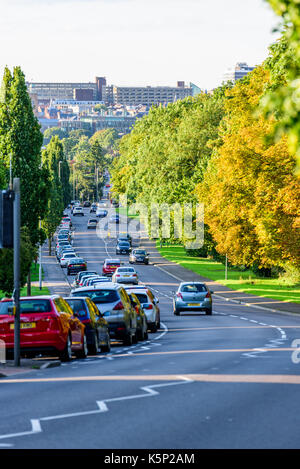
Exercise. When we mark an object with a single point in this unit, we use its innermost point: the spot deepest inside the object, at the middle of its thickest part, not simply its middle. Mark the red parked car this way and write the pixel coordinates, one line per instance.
(48, 325)
(109, 266)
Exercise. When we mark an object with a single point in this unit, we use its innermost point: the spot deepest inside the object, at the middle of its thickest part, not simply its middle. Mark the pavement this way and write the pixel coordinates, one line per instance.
(26, 365)
(182, 274)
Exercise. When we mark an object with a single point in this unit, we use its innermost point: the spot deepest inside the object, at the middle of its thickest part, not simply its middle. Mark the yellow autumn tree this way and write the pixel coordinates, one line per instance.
(250, 191)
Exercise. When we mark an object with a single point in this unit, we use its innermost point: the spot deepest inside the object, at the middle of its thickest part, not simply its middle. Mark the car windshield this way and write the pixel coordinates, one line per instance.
(68, 255)
(86, 273)
(142, 297)
(193, 288)
(140, 252)
(125, 269)
(77, 305)
(99, 296)
(27, 306)
(76, 261)
(124, 244)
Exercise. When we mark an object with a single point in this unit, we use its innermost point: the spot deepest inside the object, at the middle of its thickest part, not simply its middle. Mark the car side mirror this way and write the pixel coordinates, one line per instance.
(211, 292)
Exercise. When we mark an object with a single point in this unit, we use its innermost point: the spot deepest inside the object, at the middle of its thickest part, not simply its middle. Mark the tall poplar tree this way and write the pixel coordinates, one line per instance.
(20, 142)
(52, 155)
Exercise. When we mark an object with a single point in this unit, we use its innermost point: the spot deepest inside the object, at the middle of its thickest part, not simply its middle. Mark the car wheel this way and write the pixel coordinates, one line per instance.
(128, 339)
(135, 337)
(83, 353)
(94, 347)
(176, 312)
(208, 311)
(66, 354)
(106, 348)
(153, 328)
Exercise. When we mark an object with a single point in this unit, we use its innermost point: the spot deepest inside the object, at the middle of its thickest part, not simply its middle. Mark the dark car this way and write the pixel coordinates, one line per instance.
(87, 203)
(123, 247)
(139, 255)
(93, 208)
(114, 219)
(96, 327)
(125, 237)
(76, 265)
(101, 213)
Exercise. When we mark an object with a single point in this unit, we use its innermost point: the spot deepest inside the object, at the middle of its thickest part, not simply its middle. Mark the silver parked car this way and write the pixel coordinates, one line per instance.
(192, 296)
(149, 304)
(114, 303)
(125, 275)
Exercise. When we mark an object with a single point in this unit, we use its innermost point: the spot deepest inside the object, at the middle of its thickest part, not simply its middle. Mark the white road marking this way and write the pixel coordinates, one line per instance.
(148, 391)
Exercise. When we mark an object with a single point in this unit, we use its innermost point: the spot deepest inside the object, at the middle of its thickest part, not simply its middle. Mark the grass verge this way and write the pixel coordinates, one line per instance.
(245, 281)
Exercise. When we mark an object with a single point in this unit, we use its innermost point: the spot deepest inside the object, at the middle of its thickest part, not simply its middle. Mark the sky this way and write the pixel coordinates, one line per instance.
(134, 42)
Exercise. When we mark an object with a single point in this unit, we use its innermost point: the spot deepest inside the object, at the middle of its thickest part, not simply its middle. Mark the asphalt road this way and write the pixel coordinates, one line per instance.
(230, 380)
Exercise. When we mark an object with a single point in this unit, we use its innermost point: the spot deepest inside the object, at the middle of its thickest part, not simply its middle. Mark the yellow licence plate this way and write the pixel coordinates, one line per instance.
(194, 304)
(24, 325)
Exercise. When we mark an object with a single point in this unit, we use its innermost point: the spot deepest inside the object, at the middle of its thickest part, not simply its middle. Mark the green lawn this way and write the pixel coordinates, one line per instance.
(246, 281)
(35, 290)
(126, 211)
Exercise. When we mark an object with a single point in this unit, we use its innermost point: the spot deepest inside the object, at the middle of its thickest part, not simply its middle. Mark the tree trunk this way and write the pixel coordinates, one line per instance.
(29, 284)
(49, 246)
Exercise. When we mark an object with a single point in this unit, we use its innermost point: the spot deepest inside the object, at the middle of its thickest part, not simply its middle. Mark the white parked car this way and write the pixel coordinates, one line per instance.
(125, 275)
(66, 257)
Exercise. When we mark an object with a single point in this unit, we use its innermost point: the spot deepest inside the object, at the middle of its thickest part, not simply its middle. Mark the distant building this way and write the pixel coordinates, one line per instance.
(236, 73)
(147, 96)
(48, 91)
(83, 94)
(195, 89)
(122, 124)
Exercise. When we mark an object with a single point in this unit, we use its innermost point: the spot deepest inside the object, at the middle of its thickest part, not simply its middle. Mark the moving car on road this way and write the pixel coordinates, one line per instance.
(101, 213)
(92, 223)
(48, 326)
(114, 219)
(139, 256)
(125, 275)
(96, 327)
(77, 210)
(114, 303)
(93, 208)
(123, 247)
(125, 237)
(192, 296)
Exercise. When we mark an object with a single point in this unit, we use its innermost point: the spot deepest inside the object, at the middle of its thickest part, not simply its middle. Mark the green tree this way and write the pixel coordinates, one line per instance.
(52, 155)
(21, 141)
(27, 253)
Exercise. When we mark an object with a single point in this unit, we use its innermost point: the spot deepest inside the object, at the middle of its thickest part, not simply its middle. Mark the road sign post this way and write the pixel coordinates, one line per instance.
(16, 295)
